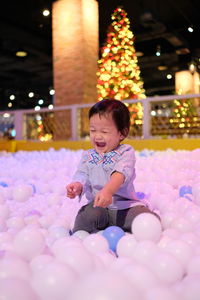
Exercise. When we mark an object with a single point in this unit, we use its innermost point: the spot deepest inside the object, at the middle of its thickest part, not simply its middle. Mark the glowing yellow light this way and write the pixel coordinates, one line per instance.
(46, 12)
(180, 91)
(106, 50)
(21, 53)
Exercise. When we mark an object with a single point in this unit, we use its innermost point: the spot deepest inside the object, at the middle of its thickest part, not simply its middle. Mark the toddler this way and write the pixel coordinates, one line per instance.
(106, 173)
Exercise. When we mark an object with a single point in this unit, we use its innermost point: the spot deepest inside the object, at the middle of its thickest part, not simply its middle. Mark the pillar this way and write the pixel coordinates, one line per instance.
(75, 55)
(187, 82)
(75, 51)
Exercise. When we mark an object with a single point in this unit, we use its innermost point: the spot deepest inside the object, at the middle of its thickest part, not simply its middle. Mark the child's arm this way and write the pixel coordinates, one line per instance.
(80, 177)
(104, 197)
(74, 189)
(124, 169)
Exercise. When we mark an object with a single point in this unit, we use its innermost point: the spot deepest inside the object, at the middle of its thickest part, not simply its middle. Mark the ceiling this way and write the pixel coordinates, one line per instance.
(155, 24)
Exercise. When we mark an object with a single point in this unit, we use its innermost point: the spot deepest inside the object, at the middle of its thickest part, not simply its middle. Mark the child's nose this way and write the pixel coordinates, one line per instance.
(98, 136)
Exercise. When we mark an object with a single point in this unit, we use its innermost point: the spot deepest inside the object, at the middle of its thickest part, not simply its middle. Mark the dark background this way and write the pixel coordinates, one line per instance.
(154, 23)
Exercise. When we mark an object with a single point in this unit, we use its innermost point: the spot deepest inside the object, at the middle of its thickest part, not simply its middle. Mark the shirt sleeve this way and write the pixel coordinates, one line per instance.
(126, 163)
(81, 174)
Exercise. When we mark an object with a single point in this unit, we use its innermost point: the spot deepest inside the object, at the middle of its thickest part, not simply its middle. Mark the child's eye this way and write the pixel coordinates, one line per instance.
(105, 131)
(92, 130)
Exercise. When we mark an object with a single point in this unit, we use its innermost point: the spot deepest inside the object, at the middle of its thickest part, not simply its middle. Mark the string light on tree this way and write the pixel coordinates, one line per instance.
(118, 70)
(183, 112)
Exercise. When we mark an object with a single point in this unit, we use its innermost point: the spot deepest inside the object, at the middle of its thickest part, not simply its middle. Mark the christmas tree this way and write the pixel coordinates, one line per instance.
(118, 70)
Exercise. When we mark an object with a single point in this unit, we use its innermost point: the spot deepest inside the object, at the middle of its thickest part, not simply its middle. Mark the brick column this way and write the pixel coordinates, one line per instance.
(75, 51)
(75, 55)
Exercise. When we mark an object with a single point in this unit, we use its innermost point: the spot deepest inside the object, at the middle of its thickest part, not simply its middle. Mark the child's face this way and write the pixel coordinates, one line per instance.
(104, 134)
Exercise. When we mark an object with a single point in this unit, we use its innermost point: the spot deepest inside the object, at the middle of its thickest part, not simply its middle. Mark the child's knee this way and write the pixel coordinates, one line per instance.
(96, 213)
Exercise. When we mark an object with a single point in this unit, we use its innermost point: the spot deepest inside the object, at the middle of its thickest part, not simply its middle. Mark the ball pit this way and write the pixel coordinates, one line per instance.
(41, 259)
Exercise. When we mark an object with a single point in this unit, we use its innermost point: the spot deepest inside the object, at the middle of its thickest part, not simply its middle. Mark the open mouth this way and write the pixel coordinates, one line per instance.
(100, 144)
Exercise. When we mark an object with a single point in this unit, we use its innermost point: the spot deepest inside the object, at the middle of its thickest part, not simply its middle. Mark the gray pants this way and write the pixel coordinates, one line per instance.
(93, 219)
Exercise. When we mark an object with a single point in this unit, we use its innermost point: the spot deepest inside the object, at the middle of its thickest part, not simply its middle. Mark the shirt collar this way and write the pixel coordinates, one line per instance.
(118, 150)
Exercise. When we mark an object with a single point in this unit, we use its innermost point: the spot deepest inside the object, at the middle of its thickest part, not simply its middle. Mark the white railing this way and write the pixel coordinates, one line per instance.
(20, 116)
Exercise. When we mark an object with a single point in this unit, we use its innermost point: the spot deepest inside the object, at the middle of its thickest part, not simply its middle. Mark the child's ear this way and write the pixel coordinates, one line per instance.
(124, 134)
(122, 137)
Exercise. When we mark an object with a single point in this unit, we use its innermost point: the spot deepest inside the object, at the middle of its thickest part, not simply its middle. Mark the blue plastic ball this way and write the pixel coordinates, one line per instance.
(185, 189)
(3, 184)
(140, 195)
(143, 154)
(113, 234)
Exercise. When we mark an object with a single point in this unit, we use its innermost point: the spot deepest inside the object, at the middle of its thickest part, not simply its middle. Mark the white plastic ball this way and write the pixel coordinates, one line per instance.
(96, 243)
(104, 285)
(22, 193)
(146, 226)
(79, 258)
(53, 281)
(160, 292)
(141, 276)
(4, 211)
(14, 267)
(29, 242)
(144, 251)
(181, 250)
(81, 234)
(126, 246)
(193, 266)
(167, 268)
(11, 287)
(39, 262)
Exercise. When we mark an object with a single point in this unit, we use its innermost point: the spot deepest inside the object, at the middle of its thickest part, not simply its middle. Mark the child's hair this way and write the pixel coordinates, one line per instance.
(119, 111)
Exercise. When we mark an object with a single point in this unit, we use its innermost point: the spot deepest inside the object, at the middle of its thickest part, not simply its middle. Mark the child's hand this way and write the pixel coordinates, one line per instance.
(103, 198)
(74, 189)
